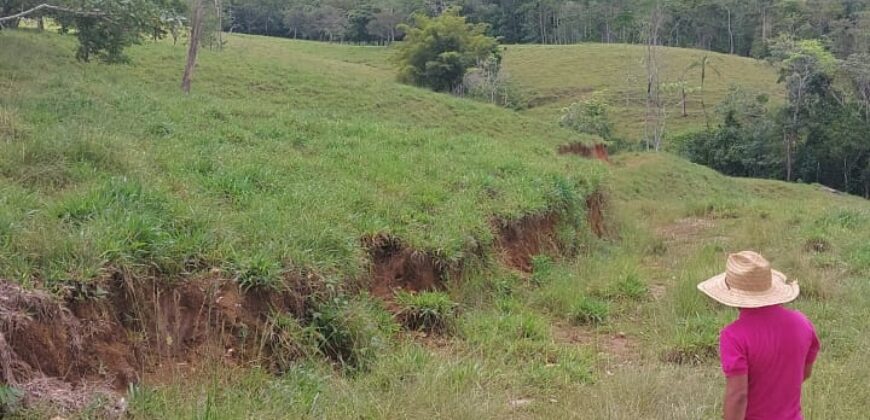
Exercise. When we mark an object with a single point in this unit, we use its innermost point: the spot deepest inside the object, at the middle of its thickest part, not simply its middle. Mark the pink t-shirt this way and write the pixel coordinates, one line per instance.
(772, 345)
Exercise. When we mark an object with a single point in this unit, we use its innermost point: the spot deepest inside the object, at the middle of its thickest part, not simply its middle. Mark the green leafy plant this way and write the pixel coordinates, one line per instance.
(10, 399)
(427, 311)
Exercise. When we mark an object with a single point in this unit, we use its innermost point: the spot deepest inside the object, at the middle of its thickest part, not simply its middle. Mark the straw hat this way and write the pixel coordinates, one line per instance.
(749, 282)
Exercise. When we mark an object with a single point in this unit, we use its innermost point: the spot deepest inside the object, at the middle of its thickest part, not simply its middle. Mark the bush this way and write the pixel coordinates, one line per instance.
(427, 311)
(589, 116)
(590, 310)
(438, 51)
(352, 333)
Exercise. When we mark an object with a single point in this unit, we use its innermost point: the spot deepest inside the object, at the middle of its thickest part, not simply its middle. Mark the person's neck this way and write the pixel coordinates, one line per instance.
(750, 311)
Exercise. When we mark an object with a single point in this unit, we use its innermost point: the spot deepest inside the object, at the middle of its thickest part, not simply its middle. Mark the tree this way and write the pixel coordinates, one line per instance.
(384, 26)
(655, 108)
(805, 67)
(104, 28)
(438, 51)
(704, 63)
(857, 71)
(589, 116)
(744, 144)
(196, 19)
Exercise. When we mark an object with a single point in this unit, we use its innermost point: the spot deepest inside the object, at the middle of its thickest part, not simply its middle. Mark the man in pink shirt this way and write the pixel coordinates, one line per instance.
(768, 352)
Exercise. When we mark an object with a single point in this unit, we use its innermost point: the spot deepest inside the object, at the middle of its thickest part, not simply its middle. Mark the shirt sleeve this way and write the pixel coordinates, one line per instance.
(814, 345)
(732, 354)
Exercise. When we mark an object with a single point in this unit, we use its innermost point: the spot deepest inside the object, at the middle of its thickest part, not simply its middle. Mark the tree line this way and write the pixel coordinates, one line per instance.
(819, 135)
(741, 27)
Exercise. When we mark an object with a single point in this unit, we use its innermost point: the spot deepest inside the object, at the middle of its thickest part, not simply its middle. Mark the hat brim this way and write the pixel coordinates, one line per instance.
(780, 292)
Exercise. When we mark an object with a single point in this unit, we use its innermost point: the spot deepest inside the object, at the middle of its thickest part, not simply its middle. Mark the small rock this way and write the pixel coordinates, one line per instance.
(553, 400)
(520, 402)
(620, 334)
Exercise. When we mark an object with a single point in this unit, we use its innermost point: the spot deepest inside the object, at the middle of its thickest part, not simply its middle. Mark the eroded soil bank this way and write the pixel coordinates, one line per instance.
(100, 338)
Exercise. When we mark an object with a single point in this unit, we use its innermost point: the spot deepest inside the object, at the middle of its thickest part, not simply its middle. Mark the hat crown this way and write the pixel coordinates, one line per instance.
(748, 271)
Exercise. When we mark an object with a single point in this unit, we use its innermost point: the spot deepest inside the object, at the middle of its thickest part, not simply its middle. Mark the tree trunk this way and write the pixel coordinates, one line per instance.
(845, 174)
(193, 48)
(730, 31)
(220, 29)
(40, 23)
(787, 140)
(683, 93)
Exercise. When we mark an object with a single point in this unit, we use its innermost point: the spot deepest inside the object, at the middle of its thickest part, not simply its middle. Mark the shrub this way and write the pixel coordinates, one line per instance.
(427, 311)
(590, 310)
(589, 116)
(352, 333)
(438, 51)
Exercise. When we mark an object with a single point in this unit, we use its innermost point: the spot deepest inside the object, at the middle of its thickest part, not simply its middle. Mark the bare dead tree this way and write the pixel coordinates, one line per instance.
(193, 48)
(654, 125)
(218, 7)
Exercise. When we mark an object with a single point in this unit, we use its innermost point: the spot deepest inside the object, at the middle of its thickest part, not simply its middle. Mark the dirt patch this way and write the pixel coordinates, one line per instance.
(598, 151)
(70, 352)
(398, 267)
(685, 229)
(658, 291)
(520, 240)
(617, 347)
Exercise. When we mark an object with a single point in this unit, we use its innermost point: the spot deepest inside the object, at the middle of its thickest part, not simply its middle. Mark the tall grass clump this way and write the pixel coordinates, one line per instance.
(590, 310)
(352, 332)
(426, 311)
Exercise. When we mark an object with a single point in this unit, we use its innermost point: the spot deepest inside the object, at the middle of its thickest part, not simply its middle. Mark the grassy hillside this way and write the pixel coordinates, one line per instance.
(526, 348)
(288, 154)
(553, 77)
(283, 158)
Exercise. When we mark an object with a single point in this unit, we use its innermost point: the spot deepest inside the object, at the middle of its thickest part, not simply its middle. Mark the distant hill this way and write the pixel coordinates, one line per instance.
(552, 77)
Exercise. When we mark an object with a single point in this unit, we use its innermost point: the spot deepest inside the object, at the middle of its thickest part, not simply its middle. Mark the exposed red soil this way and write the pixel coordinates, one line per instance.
(67, 352)
(398, 267)
(598, 151)
(595, 206)
(70, 350)
(520, 240)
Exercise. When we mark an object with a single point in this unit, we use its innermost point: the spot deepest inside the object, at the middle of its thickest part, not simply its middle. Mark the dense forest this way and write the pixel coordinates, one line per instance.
(729, 26)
